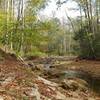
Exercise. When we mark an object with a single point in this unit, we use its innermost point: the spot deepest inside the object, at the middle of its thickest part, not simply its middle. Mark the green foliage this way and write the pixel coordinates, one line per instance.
(36, 53)
(89, 44)
(21, 34)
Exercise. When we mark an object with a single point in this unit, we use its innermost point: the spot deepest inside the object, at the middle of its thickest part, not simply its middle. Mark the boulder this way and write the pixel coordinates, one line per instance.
(74, 84)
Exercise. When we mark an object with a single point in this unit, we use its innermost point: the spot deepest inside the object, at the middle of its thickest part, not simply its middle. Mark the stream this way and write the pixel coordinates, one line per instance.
(94, 83)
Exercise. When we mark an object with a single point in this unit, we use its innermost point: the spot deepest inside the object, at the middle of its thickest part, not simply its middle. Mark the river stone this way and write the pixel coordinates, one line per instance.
(40, 67)
(74, 84)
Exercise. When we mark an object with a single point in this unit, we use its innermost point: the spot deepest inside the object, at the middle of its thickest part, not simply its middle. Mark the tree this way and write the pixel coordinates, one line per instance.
(18, 18)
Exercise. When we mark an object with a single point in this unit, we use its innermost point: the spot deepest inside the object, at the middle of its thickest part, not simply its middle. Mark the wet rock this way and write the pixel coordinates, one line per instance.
(47, 67)
(40, 67)
(75, 84)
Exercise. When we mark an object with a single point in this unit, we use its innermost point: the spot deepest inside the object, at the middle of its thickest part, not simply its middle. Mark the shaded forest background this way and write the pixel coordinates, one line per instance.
(23, 33)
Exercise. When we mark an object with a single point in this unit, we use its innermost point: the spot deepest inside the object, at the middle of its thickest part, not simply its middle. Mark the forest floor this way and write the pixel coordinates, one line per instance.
(40, 79)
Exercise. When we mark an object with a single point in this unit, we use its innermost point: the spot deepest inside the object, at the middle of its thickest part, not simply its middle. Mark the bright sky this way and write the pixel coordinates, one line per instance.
(51, 10)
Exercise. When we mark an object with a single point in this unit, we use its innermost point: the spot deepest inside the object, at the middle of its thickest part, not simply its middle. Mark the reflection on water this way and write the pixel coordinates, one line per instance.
(93, 83)
(96, 85)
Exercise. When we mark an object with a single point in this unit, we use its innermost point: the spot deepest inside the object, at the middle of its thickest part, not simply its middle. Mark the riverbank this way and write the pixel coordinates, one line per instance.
(40, 79)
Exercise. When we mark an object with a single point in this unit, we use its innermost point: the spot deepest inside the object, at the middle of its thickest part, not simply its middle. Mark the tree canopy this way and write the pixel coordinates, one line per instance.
(22, 32)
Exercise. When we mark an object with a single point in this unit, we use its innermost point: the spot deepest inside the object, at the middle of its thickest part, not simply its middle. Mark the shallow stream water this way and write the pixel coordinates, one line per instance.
(93, 83)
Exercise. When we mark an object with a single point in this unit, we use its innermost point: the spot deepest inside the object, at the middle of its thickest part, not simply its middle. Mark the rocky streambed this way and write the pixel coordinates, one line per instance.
(69, 73)
(51, 78)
